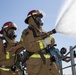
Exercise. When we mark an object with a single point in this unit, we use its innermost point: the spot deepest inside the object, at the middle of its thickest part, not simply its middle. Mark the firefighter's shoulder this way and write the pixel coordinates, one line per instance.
(25, 32)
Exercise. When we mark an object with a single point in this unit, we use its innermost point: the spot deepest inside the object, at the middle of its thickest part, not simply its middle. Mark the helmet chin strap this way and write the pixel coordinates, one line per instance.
(35, 21)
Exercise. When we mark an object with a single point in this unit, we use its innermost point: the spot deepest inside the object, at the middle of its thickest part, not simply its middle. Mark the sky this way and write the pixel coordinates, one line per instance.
(17, 10)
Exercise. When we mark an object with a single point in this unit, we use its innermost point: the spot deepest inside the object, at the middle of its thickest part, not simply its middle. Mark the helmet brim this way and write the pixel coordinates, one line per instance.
(26, 20)
(13, 28)
(1, 32)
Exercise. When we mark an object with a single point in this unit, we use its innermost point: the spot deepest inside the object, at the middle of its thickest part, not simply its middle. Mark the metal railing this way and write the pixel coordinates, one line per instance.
(72, 61)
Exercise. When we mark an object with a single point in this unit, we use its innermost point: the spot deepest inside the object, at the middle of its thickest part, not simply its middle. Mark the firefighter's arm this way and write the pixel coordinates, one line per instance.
(36, 39)
(15, 48)
(67, 59)
(45, 35)
(31, 42)
(19, 47)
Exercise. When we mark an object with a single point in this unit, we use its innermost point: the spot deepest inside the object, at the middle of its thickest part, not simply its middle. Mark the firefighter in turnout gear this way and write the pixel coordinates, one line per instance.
(36, 41)
(8, 59)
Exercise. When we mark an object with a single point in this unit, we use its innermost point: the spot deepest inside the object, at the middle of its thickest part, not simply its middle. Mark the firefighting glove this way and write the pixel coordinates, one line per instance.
(45, 35)
(13, 68)
(53, 59)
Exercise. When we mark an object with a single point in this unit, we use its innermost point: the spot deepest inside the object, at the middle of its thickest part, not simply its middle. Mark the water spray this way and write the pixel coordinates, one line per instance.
(66, 21)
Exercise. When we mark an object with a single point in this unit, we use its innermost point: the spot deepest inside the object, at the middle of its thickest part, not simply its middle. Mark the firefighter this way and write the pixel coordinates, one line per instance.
(8, 58)
(36, 41)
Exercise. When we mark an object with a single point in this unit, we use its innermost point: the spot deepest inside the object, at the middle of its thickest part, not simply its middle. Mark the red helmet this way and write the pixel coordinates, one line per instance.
(8, 25)
(33, 12)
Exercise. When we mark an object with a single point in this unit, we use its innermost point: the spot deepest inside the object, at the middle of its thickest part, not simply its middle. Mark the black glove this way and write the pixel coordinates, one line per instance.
(13, 68)
(48, 33)
(53, 59)
(44, 35)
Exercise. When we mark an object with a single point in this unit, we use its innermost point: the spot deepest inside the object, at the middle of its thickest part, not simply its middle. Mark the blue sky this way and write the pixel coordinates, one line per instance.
(17, 10)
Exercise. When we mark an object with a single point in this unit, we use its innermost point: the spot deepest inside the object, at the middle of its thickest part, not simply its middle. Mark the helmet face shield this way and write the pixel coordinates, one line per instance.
(43, 13)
